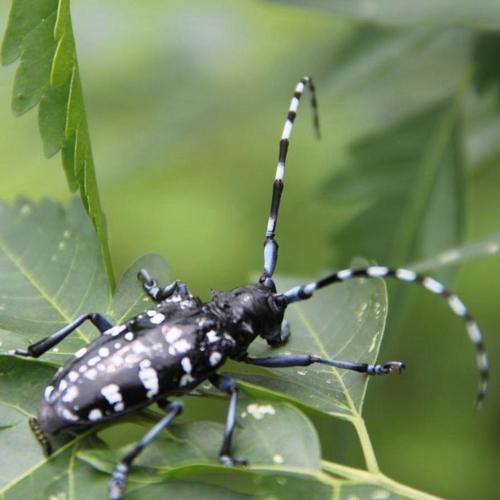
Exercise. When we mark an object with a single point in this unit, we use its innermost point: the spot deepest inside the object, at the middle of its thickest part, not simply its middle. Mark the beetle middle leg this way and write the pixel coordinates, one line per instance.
(309, 359)
(228, 385)
(156, 292)
(118, 482)
(38, 348)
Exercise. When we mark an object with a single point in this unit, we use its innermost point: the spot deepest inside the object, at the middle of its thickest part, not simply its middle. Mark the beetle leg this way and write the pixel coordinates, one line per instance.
(281, 338)
(228, 385)
(156, 293)
(38, 348)
(309, 359)
(118, 482)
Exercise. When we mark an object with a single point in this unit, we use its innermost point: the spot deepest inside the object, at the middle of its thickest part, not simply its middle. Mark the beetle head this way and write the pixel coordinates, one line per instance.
(251, 310)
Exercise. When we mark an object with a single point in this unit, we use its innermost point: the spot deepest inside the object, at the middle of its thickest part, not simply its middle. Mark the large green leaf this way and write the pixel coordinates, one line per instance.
(41, 35)
(482, 13)
(408, 181)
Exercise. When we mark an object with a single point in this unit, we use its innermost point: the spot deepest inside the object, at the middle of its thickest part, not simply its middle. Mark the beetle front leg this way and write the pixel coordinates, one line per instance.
(156, 293)
(228, 385)
(309, 359)
(280, 338)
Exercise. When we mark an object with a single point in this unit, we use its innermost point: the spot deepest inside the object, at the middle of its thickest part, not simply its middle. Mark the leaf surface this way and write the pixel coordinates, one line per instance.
(52, 273)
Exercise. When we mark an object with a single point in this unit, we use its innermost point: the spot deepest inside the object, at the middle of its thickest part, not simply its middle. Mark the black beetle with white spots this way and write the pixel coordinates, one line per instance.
(171, 349)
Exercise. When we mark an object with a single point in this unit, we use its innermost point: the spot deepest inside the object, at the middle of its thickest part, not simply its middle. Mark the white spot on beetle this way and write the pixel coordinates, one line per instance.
(260, 411)
(93, 361)
(81, 352)
(215, 357)
(157, 318)
(117, 345)
(95, 414)
(119, 406)
(103, 352)
(68, 415)
(82, 369)
(182, 346)
(117, 360)
(48, 392)
(73, 376)
(129, 336)
(186, 365)
(186, 379)
(145, 363)
(71, 394)
(150, 313)
(212, 336)
(172, 334)
(112, 393)
(149, 379)
(139, 347)
(63, 385)
(91, 374)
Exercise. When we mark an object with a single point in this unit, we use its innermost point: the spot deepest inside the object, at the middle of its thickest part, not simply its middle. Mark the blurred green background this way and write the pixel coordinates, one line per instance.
(186, 102)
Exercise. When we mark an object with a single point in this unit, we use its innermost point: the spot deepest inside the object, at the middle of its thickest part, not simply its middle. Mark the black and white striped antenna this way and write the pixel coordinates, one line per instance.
(270, 244)
(306, 291)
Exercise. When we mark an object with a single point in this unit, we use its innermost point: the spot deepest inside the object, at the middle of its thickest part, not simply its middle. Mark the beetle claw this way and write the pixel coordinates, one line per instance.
(232, 461)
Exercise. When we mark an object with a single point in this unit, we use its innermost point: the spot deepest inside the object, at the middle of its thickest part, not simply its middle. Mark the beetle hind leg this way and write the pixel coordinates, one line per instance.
(119, 476)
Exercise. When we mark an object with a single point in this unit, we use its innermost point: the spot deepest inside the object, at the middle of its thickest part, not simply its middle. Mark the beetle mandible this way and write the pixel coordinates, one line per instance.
(171, 349)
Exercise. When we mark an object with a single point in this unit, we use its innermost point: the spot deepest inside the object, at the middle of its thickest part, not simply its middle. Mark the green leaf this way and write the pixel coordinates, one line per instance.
(482, 13)
(409, 183)
(52, 272)
(41, 36)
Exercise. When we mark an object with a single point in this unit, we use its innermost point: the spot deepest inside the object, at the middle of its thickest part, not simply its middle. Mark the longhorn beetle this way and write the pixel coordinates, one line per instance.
(171, 349)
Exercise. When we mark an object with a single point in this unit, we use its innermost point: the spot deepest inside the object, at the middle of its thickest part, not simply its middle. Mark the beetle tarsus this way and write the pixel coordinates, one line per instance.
(230, 461)
(118, 482)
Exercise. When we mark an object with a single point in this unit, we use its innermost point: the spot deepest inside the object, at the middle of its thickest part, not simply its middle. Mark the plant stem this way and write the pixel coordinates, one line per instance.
(366, 444)
(375, 478)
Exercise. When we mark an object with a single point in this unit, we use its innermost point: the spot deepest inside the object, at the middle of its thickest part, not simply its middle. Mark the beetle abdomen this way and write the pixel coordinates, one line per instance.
(130, 367)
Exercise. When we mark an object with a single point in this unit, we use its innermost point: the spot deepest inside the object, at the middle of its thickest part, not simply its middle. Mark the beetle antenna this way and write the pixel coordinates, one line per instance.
(306, 291)
(270, 244)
